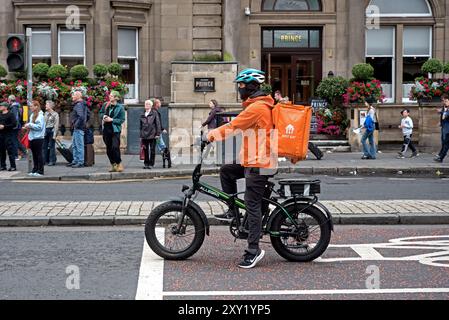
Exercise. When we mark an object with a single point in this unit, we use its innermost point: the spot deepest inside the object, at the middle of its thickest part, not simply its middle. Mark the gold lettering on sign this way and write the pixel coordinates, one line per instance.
(291, 38)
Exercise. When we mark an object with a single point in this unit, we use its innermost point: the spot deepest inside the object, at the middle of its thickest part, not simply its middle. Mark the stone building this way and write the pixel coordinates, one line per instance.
(297, 42)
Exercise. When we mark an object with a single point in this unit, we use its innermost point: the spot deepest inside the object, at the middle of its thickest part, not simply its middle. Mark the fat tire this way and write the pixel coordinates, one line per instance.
(150, 231)
(321, 247)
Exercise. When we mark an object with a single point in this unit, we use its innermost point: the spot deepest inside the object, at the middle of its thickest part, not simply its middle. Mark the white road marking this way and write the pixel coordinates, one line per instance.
(401, 179)
(367, 253)
(306, 292)
(349, 179)
(150, 285)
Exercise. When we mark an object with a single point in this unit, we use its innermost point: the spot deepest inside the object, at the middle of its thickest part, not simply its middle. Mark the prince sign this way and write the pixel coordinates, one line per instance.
(204, 84)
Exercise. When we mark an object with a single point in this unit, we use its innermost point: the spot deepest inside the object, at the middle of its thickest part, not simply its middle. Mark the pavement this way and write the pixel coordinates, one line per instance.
(337, 164)
(110, 213)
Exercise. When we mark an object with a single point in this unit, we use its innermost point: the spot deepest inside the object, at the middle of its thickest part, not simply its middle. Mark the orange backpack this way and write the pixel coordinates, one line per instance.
(293, 127)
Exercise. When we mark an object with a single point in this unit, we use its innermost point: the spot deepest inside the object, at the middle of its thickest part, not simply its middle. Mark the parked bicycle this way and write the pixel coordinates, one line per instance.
(298, 225)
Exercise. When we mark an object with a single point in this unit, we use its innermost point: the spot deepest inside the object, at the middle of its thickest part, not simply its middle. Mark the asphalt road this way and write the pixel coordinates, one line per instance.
(105, 263)
(368, 188)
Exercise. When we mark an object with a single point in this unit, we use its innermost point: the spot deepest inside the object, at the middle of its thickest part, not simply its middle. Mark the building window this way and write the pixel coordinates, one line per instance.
(128, 48)
(380, 53)
(403, 8)
(71, 47)
(41, 45)
(291, 5)
(417, 50)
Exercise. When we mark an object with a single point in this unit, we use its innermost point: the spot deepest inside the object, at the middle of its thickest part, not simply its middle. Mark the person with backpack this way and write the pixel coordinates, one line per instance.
(369, 153)
(16, 110)
(256, 165)
(150, 131)
(112, 114)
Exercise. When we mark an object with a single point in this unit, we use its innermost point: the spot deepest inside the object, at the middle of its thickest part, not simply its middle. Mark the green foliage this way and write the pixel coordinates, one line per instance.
(446, 68)
(265, 87)
(57, 71)
(432, 66)
(79, 72)
(363, 72)
(100, 70)
(40, 70)
(3, 72)
(332, 88)
(115, 69)
(228, 57)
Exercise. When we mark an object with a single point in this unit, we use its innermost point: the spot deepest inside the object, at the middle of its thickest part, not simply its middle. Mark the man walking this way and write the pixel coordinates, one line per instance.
(444, 120)
(78, 121)
(7, 125)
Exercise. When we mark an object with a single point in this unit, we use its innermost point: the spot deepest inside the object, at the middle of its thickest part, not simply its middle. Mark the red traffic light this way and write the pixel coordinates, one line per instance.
(14, 44)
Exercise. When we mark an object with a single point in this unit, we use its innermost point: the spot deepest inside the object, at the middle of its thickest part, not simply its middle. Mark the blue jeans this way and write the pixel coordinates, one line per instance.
(371, 151)
(78, 147)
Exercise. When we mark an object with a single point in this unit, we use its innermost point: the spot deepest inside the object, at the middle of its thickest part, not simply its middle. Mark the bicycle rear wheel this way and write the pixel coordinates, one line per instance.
(166, 239)
(306, 242)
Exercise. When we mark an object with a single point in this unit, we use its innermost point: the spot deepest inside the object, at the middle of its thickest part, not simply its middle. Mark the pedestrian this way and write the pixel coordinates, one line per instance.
(444, 121)
(78, 119)
(407, 132)
(279, 99)
(156, 106)
(112, 114)
(369, 153)
(16, 109)
(150, 131)
(7, 124)
(36, 125)
(369, 103)
(162, 147)
(51, 132)
(211, 122)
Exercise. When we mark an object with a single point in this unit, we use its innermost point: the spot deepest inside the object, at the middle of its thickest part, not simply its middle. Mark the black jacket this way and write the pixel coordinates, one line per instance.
(9, 121)
(211, 121)
(150, 126)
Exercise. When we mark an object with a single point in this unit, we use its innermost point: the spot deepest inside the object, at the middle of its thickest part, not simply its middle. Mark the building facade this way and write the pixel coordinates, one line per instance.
(297, 42)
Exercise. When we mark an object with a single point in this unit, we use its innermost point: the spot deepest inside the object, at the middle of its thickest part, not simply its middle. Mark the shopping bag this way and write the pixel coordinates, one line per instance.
(25, 141)
(142, 151)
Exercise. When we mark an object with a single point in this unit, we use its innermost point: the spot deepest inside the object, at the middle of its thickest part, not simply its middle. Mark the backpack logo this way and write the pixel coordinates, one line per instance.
(290, 129)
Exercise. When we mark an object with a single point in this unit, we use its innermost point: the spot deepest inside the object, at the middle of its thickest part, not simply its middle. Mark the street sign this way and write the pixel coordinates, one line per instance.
(317, 105)
(204, 85)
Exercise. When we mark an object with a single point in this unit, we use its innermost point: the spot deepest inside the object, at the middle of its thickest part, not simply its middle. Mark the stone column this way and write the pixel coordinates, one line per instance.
(356, 36)
(102, 32)
(231, 27)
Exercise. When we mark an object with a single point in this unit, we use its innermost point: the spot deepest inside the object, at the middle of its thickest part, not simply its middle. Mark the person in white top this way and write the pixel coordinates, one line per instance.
(407, 132)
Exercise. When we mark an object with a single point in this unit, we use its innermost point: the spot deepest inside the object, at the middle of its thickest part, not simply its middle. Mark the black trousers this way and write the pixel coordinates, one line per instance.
(150, 151)
(408, 144)
(38, 156)
(445, 148)
(7, 146)
(254, 193)
(112, 142)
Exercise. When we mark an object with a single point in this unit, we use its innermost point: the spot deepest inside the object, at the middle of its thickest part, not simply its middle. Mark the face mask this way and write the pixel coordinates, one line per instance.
(244, 93)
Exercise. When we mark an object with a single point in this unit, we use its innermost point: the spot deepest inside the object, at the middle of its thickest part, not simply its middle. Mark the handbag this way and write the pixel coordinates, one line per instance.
(142, 151)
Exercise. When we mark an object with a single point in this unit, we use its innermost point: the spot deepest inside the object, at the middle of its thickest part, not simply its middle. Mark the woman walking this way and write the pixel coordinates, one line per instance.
(51, 131)
(112, 114)
(211, 121)
(36, 137)
(150, 131)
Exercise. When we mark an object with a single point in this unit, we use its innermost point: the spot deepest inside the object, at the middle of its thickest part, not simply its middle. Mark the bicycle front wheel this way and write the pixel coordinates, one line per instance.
(170, 239)
(304, 242)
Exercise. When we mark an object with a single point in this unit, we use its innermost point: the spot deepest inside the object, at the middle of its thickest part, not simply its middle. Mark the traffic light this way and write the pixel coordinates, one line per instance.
(16, 52)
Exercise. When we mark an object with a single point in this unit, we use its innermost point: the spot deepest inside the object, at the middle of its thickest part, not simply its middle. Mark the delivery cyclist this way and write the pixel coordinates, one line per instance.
(258, 162)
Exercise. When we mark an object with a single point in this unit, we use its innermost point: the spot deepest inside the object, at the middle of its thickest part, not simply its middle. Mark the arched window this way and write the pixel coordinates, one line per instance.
(291, 5)
(400, 8)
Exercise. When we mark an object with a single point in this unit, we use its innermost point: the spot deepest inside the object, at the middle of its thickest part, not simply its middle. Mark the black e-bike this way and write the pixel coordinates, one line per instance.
(298, 225)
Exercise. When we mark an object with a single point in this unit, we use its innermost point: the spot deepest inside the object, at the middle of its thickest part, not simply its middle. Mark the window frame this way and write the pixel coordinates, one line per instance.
(72, 56)
(320, 4)
(393, 64)
(407, 100)
(406, 15)
(136, 59)
(40, 56)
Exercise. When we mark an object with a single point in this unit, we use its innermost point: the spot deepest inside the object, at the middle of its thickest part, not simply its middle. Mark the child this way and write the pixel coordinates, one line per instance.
(407, 132)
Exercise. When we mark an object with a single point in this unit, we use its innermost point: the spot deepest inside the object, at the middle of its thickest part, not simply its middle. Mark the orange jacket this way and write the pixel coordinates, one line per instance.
(255, 122)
